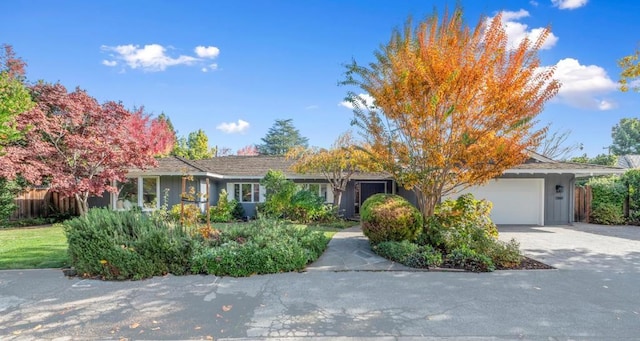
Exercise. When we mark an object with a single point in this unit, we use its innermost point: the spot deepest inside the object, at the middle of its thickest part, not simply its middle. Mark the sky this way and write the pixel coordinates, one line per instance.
(232, 68)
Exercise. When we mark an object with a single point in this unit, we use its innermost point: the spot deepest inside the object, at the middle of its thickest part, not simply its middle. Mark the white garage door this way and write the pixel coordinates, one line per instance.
(515, 201)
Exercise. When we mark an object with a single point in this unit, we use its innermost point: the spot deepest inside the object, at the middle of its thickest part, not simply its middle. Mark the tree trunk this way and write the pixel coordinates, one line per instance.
(337, 199)
(82, 201)
(426, 203)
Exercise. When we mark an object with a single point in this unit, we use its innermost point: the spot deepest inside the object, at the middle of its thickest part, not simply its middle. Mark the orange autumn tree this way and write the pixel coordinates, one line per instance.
(452, 106)
(337, 164)
(630, 74)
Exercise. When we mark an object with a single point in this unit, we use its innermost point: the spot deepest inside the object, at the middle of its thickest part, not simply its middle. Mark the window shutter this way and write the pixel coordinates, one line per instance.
(329, 193)
(230, 192)
(263, 193)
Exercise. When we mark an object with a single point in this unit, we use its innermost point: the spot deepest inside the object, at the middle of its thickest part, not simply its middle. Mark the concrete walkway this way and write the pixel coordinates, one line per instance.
(349, 250)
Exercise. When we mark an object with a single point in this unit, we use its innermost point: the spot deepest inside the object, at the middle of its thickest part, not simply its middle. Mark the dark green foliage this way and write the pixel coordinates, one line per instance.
(126, 245)
(626, 137)
(409, 254)
(389, 217)
(631, 179)
(307, 206)
(8, 192)
(396, 251)
(468, 259)
(222, 212)
(607, 214)
(608, 196)
(284, 199)
(265, 246)
(237, 212)
(281, 137)
(600, 159)
(279, 192)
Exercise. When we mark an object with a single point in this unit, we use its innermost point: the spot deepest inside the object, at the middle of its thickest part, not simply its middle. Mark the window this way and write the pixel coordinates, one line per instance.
(248, 192)
(141, 191)
(150, 193)
(319, 189)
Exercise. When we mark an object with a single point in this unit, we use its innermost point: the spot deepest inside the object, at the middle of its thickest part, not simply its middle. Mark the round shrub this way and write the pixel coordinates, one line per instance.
(390, 217)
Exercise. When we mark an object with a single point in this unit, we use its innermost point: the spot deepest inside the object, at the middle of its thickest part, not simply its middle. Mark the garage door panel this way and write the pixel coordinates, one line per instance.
(515, 201)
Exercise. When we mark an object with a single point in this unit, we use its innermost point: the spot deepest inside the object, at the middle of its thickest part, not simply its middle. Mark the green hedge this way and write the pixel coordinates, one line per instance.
(126, 245)
(265, 246)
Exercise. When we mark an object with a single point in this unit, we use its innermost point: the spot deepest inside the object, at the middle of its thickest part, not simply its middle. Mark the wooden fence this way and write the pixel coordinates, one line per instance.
(41, 202)
(582, 204)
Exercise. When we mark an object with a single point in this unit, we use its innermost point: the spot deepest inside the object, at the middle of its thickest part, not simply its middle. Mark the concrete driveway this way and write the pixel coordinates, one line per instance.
(581, 246)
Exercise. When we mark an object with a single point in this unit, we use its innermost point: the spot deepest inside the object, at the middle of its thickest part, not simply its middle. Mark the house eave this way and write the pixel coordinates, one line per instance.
(576, 172)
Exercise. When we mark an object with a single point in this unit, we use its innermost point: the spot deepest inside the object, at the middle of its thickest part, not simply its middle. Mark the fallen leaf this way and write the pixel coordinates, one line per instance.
(209, 337)
(134, 325)
(197, 327)
(156, 328)
(154, 322)
(226, 307)
(219, 316)
(37, 327)
(17, 332)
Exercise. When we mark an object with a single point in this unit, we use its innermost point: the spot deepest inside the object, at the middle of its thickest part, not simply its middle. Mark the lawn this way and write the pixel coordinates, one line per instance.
(33, 248)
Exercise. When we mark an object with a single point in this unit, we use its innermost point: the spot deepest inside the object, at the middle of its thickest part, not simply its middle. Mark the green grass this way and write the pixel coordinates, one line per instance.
(33, 248)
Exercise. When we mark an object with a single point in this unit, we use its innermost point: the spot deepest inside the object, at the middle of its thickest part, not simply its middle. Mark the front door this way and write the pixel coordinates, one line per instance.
(366, 189)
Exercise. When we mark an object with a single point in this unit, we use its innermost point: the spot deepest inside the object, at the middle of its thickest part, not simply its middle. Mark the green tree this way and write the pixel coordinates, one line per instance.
(281, 137)
(8, 191)
(195, 147)
(14, 95)
(600, 159)
(626, 137)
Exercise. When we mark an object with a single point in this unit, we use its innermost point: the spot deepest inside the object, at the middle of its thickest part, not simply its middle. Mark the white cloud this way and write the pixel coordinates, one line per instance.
(368, 101)
(533, 3)
(583, 86)
(517, 31)
(207, 51)
(234, 127)
(569, 4)
(311, 107)
(155, 57)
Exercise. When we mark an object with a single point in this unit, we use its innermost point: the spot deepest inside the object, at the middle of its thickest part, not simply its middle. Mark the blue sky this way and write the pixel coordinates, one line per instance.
(232, 68)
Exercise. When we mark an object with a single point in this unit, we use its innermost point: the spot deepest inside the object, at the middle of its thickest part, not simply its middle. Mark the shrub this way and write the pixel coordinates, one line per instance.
(396, 251)
(237, 212)
(126, 245)
(409, 254)
(468, 259)
(608, 196)
(459, 222)
(389, 217)
(190, 212)
(264, 246)
(222, 212)
(504, 255)
(279, 192)
(8, 192)
(607, 214)
(306, 207)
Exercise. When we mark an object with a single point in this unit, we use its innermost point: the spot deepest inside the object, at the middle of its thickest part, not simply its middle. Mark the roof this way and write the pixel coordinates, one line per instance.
(629, 161)
(256, 167)
(237, 167)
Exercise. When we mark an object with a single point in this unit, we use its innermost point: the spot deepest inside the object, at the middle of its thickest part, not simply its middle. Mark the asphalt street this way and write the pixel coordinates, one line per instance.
(592, 299)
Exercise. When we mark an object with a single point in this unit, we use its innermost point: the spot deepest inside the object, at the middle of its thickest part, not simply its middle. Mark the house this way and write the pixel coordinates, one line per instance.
(537, 192)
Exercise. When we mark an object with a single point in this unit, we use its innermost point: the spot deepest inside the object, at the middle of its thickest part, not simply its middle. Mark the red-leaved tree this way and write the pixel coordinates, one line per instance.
(249, 150)
(79, 146)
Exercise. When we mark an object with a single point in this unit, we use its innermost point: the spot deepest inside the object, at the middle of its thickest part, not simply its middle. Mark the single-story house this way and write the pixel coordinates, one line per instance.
(537, 192)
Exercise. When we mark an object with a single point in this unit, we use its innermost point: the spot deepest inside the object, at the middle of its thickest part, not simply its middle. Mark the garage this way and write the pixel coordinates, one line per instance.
(515, 201)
